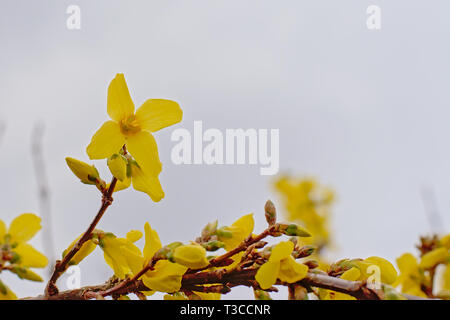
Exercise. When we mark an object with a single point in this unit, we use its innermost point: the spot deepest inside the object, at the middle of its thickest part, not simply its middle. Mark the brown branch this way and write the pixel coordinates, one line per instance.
(62, 265)
(222, 281)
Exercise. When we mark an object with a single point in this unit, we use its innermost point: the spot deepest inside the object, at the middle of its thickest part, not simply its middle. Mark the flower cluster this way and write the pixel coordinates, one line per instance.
(16, 255)
(308, 203)
(221, 257)
(418, 276)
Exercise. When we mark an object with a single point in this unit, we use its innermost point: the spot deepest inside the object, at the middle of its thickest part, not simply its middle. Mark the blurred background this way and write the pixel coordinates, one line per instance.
(362, 111)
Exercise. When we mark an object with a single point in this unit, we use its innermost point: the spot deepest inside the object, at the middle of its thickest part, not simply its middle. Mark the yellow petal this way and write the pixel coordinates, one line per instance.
(24, 227)
(240, 230)
(208, 295)
(146, 183)
(267, 274)
(166, 277)
(192, 256)
(281, 251)
(120, 104)
(30, 257)
(114, 257)
(152, 242)
(121, 185)
(106, 141)
(86, 173)
(351, 274)
(134, 235)
(387, 270)
(445, 241)
(291, 271)
(407, 263)
(118, 166)
(142, 146)
(2, 231)
(156, 114)
(434, 257)
(85, 250)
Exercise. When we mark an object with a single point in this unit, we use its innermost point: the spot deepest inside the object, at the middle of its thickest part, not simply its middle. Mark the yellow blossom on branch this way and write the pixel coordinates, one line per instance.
(134, 129)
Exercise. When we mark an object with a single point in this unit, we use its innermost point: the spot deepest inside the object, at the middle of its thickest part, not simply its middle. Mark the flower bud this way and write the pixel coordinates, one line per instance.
(88, 174)
(117, 164)
(209, 229)
(270, 213)
(24, 273)
(213, 245)
(293, 230)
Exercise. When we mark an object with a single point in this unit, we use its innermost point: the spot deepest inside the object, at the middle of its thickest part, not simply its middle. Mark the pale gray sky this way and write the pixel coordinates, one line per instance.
(366, 112)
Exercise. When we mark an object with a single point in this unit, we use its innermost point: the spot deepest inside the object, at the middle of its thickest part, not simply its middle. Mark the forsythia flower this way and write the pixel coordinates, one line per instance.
(434, 257)
(281, 265)
(141, 180)
(127, 260)
(233, 235)
(134, 129)
(308, 203)
(411, 277)
(192, 256)
(15, 251)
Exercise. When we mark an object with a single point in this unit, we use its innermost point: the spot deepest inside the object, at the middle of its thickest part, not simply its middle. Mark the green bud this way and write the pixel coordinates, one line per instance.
(294, 230)
(213, 245)
(26, 274)
(209, 229)
(224, 233)
(261, 295)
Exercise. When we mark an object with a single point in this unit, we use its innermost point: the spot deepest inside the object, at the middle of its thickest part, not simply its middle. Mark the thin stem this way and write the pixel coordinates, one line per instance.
(62, 265)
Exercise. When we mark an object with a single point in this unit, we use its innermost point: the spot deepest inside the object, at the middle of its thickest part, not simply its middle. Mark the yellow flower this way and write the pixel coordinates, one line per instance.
(411, 277)
(22, 229)
(434, 257)
(84, 251)
(233, 235)
(309, 204)
(192, 256)
(281, 265)
(142, 181)
(445, 241)
(388, 274)
(133, 128)
(127, 260)
(121, 255)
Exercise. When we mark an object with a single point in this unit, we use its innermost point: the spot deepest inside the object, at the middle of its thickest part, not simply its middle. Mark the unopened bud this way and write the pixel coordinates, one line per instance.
(270, 213)
(311, 264)
(88, 174)
(117, 164)
(209, 229)
(213, 245)
(304, 251)
(293, 230)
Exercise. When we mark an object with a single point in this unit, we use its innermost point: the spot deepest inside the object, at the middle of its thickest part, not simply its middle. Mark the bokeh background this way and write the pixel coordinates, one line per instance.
(365, 112)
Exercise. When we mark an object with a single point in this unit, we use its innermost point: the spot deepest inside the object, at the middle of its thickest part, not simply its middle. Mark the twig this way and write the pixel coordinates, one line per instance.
(199, 282)
(61, 265)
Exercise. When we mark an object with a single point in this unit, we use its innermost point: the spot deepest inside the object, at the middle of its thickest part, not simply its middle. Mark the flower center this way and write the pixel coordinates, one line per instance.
(129, 126)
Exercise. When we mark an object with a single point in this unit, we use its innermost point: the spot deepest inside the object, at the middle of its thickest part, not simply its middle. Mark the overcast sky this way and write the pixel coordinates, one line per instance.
(365, 112)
